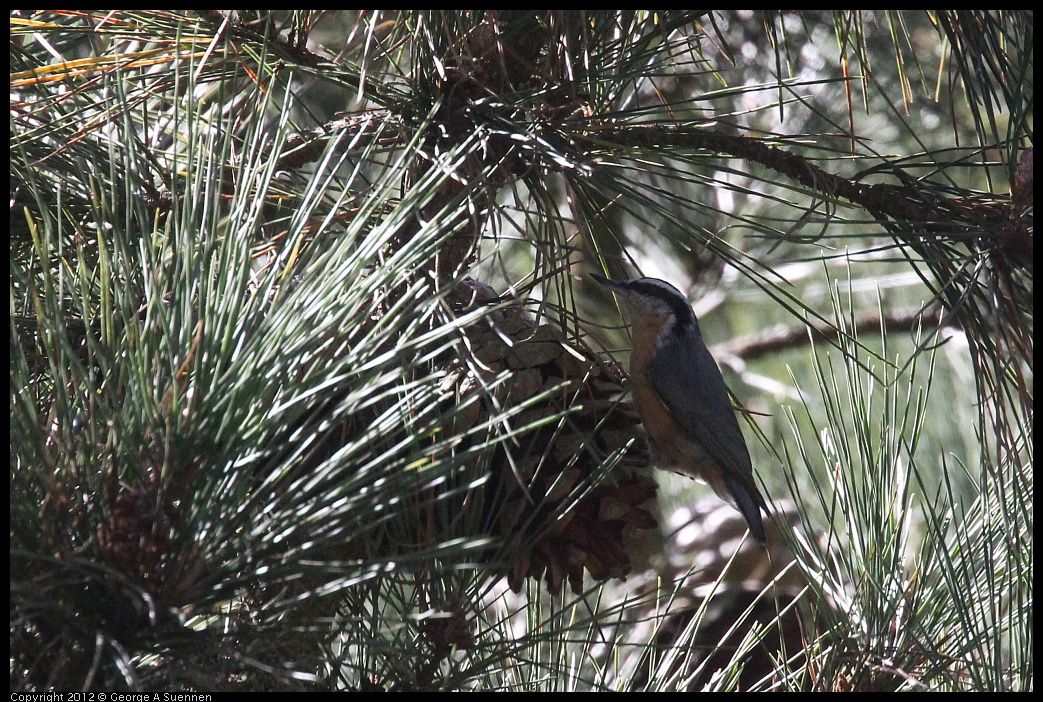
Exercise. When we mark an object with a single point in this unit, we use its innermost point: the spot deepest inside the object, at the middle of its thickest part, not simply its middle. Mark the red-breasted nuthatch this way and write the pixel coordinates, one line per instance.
(681, 398)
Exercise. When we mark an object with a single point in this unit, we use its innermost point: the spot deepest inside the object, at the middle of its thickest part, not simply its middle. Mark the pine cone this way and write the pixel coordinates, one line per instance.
(547, 503)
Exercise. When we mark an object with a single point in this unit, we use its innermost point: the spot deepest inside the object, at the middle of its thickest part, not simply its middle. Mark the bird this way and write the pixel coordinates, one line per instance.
(680, 396)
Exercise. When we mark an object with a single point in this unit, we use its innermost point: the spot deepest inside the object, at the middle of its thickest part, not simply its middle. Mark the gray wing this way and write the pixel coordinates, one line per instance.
(690, 384)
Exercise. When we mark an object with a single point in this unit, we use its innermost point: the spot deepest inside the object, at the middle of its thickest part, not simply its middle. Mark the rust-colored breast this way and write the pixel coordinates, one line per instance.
(671, 449)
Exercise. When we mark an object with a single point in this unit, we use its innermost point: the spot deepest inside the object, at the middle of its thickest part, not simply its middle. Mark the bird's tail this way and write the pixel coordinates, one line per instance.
(749, 503)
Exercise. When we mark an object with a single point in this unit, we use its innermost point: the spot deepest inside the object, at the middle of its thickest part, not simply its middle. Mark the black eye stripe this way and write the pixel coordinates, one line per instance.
(667, 295)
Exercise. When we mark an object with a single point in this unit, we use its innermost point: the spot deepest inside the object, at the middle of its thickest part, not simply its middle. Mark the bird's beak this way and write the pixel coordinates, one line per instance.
(606, 282)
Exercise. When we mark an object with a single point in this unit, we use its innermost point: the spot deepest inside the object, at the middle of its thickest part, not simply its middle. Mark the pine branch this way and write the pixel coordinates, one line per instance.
(911, 204)
(782, 337)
